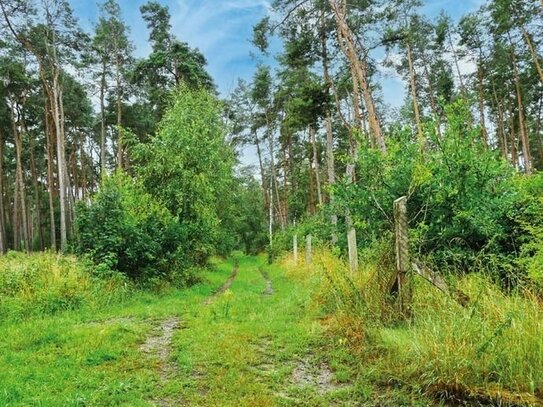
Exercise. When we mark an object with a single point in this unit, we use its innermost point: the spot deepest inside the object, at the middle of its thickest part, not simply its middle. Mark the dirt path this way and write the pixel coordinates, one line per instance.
(227, 284)
(269, 285)
(159, 345)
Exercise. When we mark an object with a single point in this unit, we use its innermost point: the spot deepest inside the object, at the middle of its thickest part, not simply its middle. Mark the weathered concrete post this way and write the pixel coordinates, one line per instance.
(295, 248)
(402, 251)
(351, 245)
(308, 254)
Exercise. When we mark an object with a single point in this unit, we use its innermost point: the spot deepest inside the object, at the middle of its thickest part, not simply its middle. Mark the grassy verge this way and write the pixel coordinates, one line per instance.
(490, 351)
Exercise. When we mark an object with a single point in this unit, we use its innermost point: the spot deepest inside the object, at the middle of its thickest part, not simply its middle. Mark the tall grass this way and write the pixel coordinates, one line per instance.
(489, 351)
(46, 283)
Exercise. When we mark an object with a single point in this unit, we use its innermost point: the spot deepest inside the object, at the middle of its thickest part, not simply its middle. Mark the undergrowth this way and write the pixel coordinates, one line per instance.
(45, 283)
(487, 351)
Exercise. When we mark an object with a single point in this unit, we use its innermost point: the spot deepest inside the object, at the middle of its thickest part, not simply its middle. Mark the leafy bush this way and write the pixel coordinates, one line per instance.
(461, 196)
(244, 224)
(318, 226)
(125, 229)
(529, 215)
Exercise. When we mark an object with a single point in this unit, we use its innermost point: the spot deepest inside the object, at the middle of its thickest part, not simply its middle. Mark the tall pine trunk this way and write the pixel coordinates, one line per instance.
(484, 132)
(330, 162)
(413, 82)
(525, 141)
(120, 141)
(50, 141)
(20, 214)
(3, 243)
(313, 137)
(359, 66)
(61, 166)
(37, 199)
(102, 121)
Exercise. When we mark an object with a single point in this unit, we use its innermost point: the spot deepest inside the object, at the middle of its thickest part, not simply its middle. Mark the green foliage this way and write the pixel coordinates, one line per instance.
(188, 167)
(529, 214)
(318, 226)
(460, 195)
(247, 222)
(125, 229)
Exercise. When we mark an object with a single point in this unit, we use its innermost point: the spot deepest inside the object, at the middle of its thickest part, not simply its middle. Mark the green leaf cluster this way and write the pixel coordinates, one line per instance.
(125, 229)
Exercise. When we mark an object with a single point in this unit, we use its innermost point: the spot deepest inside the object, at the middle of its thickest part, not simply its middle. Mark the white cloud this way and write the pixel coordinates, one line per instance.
(221, 30)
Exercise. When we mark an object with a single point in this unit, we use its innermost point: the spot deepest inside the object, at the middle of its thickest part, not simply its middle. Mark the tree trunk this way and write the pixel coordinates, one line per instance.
(457, 65)
(70, 213)
(120, 141)
(513, 139)
(49, 136)
(351, 231)
(262, 173)
(103, 121)
(533, 52)
(83, 171)
(522, 123)
(312, 135)
(484, 133)
(330, 164)
(347, 44)
(433, 104)
(274, 184)
(312, 205)
(20, 213)
(538, 132)
(413, 81)
(3, 243)
(61, 154)
(286, 166)
(36, 194)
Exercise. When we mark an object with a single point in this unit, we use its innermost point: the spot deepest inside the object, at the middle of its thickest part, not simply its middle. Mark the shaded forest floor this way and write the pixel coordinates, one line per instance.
(247, 336)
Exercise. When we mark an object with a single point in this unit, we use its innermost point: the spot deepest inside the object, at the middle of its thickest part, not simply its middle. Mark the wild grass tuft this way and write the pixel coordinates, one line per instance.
(46, 283)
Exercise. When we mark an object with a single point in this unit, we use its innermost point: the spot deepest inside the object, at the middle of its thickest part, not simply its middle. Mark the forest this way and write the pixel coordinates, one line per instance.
(144, 262)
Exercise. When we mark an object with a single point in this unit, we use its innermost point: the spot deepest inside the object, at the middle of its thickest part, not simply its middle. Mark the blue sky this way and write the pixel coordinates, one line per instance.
(221, 29)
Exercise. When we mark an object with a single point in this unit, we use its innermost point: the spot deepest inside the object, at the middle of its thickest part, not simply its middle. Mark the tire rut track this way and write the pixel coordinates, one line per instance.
(158, 345)
(226, 285)
(269, 285)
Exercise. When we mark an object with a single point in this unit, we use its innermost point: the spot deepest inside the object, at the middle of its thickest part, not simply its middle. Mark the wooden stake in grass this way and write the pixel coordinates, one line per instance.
(308, 256)
(402, 253)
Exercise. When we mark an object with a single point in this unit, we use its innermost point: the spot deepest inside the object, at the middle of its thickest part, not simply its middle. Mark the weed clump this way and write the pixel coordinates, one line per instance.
(46, 283)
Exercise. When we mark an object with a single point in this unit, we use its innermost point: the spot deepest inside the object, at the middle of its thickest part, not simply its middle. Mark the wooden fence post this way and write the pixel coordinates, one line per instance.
(308, 254)
(402, 252)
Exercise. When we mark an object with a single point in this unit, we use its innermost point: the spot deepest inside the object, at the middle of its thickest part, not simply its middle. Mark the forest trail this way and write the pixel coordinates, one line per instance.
(246, 336)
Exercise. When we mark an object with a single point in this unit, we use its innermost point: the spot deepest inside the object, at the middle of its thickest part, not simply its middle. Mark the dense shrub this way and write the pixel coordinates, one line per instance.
(529, 215)
(125, 229)
(244, 223)
(318, 226)
(461, 196)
